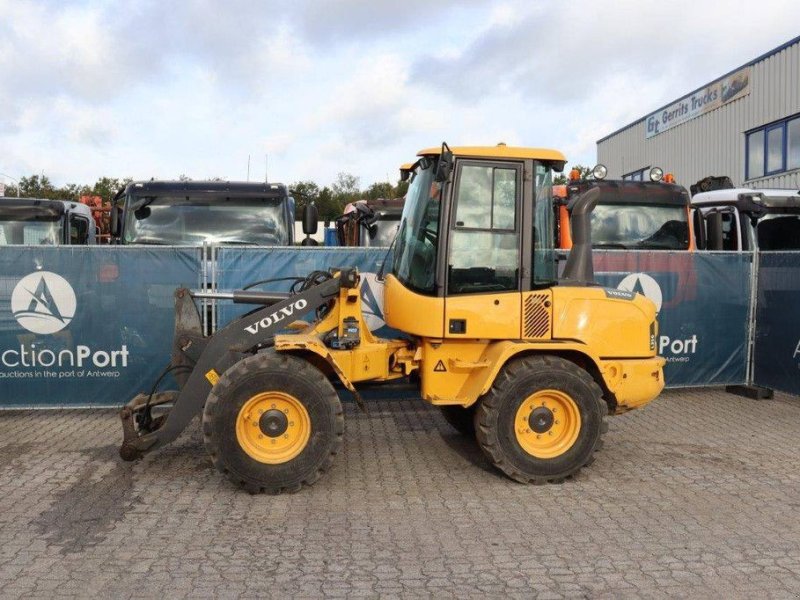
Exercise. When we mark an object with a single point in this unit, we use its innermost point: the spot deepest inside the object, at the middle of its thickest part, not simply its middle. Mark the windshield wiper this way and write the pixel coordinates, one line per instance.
(610, 245)
(660, 245)
(148, 242)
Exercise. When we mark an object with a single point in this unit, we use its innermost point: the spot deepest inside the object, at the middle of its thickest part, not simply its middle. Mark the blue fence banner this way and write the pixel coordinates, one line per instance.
(776, 356)
(703, 302)
(93, 326)
(87, 326)
(238, 267)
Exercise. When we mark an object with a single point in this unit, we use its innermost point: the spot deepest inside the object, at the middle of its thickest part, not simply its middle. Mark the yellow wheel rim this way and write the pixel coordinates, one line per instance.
(547, 423)
(273, 427)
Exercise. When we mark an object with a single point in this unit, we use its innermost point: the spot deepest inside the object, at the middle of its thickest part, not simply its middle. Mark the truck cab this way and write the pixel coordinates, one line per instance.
(39, 222)
(741, 219)
(369, 223)
(630, 215)
(188, 213)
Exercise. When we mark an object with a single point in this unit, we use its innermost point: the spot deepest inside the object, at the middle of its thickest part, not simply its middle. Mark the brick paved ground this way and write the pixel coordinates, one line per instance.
(695, 496)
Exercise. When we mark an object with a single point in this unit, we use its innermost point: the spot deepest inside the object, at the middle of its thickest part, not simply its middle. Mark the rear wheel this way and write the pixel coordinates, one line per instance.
(273, 423)
(542, 420)
(461, 419)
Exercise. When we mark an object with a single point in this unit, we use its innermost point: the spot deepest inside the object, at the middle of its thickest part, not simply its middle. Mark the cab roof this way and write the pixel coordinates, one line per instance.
(732, 194)
(499, 151)
(205, 187)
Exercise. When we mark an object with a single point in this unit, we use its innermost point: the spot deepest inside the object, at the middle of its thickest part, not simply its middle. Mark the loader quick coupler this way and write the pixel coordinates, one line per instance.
(198, 361)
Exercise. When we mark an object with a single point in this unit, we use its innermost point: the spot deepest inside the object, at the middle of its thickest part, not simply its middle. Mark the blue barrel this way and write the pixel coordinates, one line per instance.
(330, 236)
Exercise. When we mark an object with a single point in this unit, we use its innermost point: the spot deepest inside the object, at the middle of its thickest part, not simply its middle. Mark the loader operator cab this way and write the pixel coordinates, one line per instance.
(499, 238)
(630, 215)
(181, 213)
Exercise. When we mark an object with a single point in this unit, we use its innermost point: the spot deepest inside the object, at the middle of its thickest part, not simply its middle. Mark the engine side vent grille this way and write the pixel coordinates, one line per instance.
(537, 316)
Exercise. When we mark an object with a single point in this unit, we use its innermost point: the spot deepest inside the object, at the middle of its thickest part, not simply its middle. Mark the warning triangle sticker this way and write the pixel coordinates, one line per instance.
(440, 368)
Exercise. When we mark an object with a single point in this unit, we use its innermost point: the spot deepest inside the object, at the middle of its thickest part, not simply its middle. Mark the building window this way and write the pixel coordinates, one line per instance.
(774, 148)
(793, 144)
(638, 175)
(755, 154)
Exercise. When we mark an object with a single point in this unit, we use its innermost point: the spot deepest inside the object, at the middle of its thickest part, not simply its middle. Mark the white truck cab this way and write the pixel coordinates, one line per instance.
(746, 219)
(40, 222)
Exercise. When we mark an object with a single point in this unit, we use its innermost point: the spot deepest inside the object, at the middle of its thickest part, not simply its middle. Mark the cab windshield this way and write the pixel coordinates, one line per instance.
(415, 257)
(30, 231)
(640, 226)
(181, 220)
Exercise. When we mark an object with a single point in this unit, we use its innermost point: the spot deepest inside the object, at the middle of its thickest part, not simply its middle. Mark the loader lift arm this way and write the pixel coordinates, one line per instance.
(208, 358)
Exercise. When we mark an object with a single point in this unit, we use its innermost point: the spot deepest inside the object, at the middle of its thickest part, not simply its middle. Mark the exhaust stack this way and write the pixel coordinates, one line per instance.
(579, 269)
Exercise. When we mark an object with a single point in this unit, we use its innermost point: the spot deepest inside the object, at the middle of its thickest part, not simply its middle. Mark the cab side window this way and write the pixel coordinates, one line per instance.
(78, 230)
(730, 237)
(484, 242)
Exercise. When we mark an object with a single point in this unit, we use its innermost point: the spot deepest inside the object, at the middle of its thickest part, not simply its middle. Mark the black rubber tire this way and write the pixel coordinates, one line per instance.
(461, 419)
(273, 371)
(494, 418)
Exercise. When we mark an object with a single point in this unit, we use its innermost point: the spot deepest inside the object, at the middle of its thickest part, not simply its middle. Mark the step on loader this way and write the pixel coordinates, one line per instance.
(528, 364)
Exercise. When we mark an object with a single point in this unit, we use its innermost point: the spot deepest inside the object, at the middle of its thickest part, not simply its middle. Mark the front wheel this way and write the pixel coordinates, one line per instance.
(273, 423)
(542, 420)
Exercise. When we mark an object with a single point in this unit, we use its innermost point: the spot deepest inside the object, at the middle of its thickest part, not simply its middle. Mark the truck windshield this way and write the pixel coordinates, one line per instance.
(33, 233)
(415, 256)
(640, 226)
(779, 232)
(180, 220)
(386, 230)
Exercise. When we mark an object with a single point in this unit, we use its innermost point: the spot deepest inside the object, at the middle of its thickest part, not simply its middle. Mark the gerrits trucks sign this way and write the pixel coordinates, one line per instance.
(736, 85)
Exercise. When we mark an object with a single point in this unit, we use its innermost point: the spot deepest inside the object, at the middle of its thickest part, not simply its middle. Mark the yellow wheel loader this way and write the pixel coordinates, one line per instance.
(528, 363)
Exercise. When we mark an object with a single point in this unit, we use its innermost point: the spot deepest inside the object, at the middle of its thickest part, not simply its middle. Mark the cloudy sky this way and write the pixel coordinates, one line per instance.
(157, 89)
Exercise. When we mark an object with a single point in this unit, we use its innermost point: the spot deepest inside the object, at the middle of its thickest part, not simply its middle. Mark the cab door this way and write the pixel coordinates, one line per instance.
(483, 271)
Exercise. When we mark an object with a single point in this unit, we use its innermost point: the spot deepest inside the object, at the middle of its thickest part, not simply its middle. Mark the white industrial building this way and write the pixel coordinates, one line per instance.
(745, 124)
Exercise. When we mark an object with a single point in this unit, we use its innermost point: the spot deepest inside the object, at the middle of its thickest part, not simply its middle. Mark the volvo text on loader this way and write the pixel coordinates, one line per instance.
(529, 364)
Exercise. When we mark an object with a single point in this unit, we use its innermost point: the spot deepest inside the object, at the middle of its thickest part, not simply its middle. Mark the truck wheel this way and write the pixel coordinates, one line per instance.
(542, 420)
(460, 418)
(273, 423)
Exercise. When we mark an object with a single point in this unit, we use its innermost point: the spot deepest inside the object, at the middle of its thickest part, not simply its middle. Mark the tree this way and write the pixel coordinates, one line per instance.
(303, 192)
(328, 205)
(11, 191)
(37, 186)
(380, 190)
(346, 188)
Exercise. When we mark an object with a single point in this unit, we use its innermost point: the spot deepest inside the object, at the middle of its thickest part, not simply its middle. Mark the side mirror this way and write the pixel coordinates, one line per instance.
(714, 221)
(699, 226)
(115, 221)
(310, 218)
(445, 165)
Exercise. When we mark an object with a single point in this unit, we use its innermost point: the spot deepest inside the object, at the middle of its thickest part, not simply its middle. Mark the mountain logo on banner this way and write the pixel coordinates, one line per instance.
(645, 285)
(43, 302)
